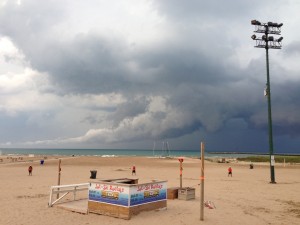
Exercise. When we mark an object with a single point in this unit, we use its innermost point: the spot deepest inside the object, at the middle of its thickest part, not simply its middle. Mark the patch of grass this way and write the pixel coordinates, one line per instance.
(278, 159)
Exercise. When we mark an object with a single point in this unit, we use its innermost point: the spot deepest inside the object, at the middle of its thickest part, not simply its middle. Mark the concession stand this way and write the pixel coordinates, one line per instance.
(125, 197)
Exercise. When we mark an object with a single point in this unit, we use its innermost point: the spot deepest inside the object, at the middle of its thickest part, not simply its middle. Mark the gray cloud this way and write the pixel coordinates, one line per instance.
(187, 80)
(292, 49)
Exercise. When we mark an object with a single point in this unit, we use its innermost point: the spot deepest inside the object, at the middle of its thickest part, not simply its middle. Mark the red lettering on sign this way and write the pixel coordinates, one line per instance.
(147, 187)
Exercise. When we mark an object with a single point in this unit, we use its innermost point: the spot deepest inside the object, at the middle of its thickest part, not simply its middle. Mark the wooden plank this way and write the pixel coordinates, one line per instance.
(172, 193)
(79, 206)
(109, 210)
(124, 212)
(186, 193)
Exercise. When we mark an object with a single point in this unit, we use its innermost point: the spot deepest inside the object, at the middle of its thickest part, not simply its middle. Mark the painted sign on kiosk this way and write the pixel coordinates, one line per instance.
(109, 193)
(145, 193)
(128, 195)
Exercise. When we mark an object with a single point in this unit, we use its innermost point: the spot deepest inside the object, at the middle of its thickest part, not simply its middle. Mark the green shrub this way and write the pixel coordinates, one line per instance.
(278, 159)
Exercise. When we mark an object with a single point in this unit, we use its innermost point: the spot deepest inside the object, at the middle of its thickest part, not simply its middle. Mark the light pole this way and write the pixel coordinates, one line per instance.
(267, 42)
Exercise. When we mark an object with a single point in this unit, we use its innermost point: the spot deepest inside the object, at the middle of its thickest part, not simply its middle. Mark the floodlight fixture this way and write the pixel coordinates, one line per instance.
(255, 22)
(269, 27)
(280, 39)
(253, 36)
(271, 24)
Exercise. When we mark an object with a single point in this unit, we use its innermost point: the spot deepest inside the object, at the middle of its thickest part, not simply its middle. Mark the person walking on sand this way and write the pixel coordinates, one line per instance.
(229, 171)
(30, 170)
(133, 170)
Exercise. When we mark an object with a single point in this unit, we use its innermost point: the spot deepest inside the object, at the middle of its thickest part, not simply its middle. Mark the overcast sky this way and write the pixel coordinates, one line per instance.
(123, 74)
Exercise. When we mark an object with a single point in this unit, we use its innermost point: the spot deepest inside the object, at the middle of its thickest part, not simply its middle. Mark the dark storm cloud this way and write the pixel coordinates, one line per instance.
(88, 64)
(193, 70)
(182, 65)
(129, 109)
(71, 63)
(91, 63)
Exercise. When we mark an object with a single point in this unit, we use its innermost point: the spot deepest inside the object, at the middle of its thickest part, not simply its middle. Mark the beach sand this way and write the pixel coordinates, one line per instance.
(246, 198)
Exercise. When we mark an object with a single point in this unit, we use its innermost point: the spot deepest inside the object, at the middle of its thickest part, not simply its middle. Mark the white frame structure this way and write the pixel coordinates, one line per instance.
(66, 189)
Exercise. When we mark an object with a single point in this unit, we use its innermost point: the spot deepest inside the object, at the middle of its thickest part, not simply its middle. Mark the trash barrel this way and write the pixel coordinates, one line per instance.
(42, 162)
(93, 174)
(251, 166)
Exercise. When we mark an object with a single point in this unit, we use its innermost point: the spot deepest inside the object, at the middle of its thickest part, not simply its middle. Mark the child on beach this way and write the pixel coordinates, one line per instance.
(230, 171)
(30, 170)
(133, 170)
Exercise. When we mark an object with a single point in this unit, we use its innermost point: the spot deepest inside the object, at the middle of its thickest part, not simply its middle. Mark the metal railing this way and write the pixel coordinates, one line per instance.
(66, 189)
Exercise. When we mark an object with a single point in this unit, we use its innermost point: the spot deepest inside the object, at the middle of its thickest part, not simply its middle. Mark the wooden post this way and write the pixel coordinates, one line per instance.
(180, 174)
(202, 183)
(58, 181)
(180, 159)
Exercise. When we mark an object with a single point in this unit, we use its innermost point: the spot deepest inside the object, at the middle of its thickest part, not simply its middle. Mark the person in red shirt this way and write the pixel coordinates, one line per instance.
(30, 170)
(133, 170)
(229, 171)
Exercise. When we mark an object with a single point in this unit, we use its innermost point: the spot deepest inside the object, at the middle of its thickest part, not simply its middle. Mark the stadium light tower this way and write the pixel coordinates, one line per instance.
(268, 42)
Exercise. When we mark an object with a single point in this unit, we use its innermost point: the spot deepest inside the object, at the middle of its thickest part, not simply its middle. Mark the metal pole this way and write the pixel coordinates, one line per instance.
(272, 170)
(202, 183)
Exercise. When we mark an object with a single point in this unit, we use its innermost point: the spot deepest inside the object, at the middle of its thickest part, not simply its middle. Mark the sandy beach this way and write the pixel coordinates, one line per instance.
(245, 198)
